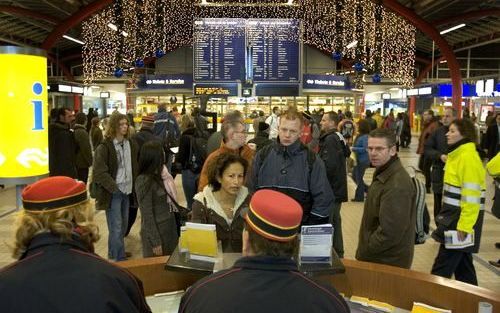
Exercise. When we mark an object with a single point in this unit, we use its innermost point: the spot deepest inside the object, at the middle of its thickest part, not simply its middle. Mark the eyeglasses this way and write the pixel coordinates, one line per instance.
(377, 149)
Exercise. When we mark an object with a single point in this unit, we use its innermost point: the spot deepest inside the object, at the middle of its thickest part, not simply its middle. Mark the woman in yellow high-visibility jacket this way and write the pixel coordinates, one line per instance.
(463, 203)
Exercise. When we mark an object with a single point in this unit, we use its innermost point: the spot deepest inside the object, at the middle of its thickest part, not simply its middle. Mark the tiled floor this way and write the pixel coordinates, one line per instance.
(489, 277)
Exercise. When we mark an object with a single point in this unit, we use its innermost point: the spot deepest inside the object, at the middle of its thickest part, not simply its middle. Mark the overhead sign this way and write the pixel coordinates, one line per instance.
(315, 81)
(485, 88)
(279, 90)
(66, 88)
(23, 94)
(225, 89)
(167, 81)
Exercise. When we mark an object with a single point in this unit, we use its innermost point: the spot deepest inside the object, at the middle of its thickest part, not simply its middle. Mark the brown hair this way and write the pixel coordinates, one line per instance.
(389, 135)
(264, 246)
(60, 223)
(363, 127)
(114, 124)
(217, 167)
(465, 128)
(292, 114)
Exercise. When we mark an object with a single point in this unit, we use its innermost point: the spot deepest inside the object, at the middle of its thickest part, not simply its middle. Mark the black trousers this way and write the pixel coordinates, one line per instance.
(83, 174)
(438, 203)
(450, 262)
(132, 212)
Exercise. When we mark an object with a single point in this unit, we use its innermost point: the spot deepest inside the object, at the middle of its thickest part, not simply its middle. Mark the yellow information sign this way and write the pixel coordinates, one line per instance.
(23, 113)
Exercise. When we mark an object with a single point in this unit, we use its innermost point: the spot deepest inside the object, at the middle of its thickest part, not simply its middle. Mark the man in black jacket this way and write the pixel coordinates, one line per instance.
(266, 279)
(62, 145)
(436, 150)
(57, 269)
(331, 151)
(492, 139)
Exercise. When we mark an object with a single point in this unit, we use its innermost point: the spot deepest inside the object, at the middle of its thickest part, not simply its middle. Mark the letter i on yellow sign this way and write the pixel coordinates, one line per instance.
(23, 113)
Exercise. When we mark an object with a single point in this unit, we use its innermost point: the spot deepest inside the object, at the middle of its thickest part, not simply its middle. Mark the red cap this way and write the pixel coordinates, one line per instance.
(53, 193)
(274, 215)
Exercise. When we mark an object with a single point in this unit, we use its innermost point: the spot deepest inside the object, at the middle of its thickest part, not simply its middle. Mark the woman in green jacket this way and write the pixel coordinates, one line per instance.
(463, 203)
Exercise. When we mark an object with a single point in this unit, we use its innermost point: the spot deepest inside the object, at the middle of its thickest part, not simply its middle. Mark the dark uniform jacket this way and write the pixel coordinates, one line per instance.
(261, 140)
(62, 150)
(332, 154)
(56, 276)
(492, 140)
(105, 170)
(261, 284)
(287, 169)
(434, 147)
(387, 232)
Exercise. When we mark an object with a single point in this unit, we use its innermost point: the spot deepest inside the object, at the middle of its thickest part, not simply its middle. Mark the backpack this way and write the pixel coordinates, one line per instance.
(423, 217)
(347, 129)
(197, 153)
(345, 147)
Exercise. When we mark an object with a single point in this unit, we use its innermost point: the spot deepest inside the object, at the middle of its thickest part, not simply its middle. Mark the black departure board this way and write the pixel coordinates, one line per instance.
(261, 50)
(274, 49)
(219, 50)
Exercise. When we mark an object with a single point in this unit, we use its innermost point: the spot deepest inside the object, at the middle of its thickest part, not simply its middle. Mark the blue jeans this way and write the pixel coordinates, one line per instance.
(189, 185)
(117, 219)
(358, 172)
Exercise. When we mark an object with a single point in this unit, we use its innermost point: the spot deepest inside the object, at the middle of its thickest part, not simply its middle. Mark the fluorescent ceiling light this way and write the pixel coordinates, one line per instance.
(352, 44)
(451, 29)
(74, 39)
(444, 61)
(112, 26)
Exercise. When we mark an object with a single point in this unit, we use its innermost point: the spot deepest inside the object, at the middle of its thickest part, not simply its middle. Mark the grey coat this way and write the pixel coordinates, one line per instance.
(387, 232)
(105, 168)
(158, 226)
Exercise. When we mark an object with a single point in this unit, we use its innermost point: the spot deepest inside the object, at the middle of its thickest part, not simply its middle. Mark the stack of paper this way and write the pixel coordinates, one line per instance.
(316, 244)
(425, 308)
(379, 306)
(201, 241)
(451, 240)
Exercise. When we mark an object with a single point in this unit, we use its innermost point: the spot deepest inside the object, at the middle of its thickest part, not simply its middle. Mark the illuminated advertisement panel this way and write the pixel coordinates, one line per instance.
(23, 113)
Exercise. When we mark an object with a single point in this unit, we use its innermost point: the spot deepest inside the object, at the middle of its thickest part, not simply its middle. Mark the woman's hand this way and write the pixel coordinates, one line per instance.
(158, 250)
(461, 235)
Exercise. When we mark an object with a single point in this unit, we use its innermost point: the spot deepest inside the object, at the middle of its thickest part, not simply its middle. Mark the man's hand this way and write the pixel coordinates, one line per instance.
(158, 250)
(443, 158)
(461, 235)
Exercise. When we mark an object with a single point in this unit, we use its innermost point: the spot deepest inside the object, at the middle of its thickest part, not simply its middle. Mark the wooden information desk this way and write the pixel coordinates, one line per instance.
(396, 286)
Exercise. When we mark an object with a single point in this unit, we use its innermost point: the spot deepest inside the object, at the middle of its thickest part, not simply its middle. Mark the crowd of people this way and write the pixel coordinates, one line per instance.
(257, 193)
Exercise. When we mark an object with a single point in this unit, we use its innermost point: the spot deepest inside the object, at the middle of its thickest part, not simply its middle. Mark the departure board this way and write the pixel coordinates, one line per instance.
(275, 49)
(219, 50)
(260, 50)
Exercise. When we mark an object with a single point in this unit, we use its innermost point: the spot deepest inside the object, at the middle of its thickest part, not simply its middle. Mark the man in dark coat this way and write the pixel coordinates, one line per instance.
(57, 269)
(436, 150)
(266, 279)
(62, 146)
(387, 232)
(492, 140)
(261, 139)
(331, 152)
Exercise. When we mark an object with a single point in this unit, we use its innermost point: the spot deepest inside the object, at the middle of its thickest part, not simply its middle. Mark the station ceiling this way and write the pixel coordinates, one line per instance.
(29, 23)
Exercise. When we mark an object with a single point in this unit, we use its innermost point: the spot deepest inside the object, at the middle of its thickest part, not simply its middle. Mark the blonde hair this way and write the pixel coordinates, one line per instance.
(60, 223)
(114, 124)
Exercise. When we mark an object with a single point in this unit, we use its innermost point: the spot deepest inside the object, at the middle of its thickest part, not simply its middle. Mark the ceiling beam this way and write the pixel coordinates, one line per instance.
(473, 15)
(72, 21)
(28, 13)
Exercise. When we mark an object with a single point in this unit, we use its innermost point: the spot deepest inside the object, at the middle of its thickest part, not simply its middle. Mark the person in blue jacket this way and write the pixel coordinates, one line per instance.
(362, 161)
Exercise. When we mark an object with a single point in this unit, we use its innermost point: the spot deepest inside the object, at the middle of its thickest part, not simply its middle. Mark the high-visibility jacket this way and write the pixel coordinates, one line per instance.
(493, 166)
(463, 194)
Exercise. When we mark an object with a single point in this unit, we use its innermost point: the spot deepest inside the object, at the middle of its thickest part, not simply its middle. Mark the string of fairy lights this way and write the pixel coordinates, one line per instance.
(377, 41)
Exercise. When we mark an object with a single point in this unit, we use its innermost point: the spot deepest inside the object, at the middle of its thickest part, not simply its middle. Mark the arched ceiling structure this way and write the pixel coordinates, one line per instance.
(41, 23)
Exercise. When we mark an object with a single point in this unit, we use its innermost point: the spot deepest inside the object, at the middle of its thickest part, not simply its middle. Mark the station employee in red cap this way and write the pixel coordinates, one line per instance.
(266, 279)
(57, 270)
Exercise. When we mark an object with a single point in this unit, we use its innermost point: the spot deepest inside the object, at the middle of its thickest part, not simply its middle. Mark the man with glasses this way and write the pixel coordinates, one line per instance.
(290, 167)
(234, 137)
(387, 232)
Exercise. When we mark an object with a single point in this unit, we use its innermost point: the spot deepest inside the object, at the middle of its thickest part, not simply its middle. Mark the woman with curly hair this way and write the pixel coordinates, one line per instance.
(57, 267)
(222, 200)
